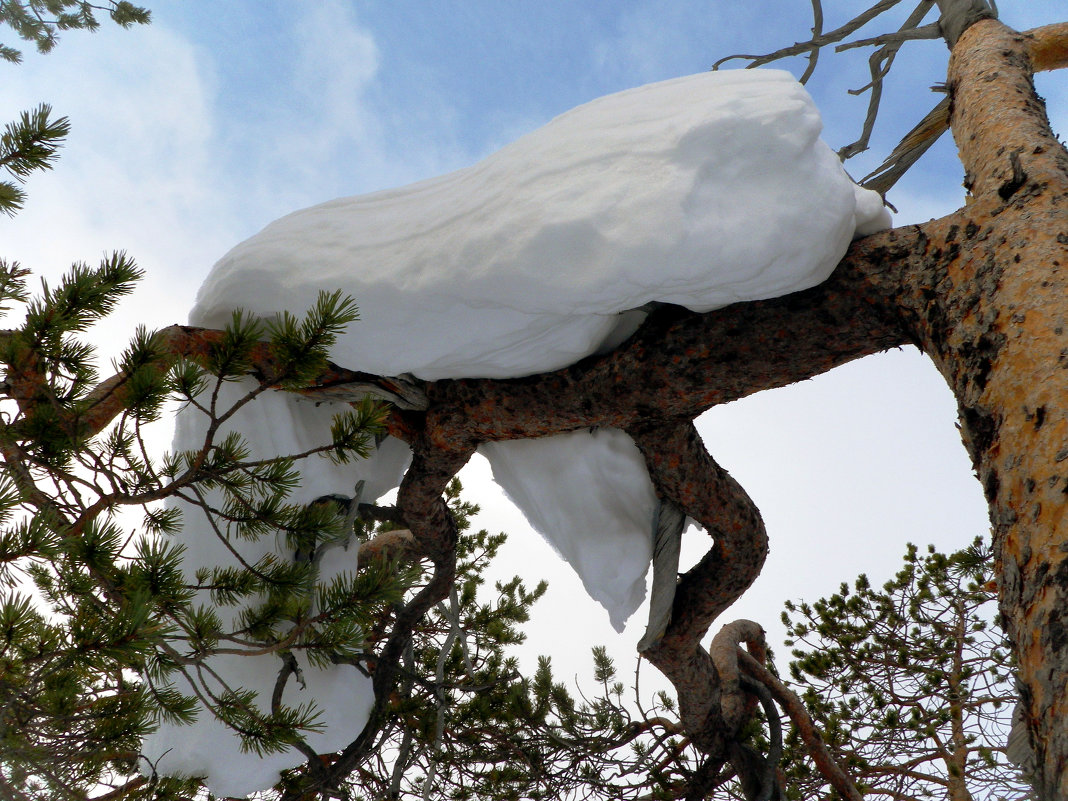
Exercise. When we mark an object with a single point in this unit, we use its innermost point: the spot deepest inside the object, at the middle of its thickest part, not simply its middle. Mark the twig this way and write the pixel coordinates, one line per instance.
(817, 30)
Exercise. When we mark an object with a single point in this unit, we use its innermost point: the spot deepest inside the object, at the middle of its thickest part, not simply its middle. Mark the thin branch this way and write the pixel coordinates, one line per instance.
(817, 31)
(909, 150)
(929, 31)
(879, 65)
(799, 48)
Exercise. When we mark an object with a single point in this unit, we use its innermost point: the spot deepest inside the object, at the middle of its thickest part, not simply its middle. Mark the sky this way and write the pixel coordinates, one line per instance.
(193, 133)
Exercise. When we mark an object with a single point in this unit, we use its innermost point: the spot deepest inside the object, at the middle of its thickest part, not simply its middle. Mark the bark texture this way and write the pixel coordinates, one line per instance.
(1007, 361)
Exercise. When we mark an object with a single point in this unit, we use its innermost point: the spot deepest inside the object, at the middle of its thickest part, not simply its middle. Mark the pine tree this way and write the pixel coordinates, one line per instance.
(912, 684)
(87, 660)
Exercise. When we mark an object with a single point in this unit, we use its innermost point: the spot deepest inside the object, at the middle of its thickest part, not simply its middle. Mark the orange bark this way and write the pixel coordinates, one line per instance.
(1049, 47)
(1016, 402)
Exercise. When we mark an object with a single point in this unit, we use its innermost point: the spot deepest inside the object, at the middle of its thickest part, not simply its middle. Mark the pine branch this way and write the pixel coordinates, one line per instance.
(26, 146)
(30, 24)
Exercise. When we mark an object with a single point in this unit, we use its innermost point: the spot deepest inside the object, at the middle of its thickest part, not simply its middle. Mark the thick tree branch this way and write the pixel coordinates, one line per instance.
(1048, 46)
(710, 702)
(1004, 126)
(434, 531)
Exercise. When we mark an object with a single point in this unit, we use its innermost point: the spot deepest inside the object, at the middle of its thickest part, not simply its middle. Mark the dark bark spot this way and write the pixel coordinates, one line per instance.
(1030, 485)
(980, 428)
(1055, 633)
(1060, 575)
(1062, 239)
(982, 371)
(970, 230)
(1040, 417)
(1018, 179)
(953, 230)
(1055, 637)
(1035, 584)
(991, 485)
(978, 355)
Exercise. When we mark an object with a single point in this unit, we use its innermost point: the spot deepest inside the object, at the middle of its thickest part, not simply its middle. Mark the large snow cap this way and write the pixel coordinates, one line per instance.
(700, 191)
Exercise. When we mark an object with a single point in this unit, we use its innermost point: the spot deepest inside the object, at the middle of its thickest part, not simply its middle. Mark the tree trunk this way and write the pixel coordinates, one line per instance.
(1003, 347)
(957, 759)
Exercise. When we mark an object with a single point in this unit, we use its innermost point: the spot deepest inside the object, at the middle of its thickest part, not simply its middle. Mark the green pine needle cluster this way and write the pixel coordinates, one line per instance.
(911, 683)
(40, 22)
(30, 144)
(99, 621)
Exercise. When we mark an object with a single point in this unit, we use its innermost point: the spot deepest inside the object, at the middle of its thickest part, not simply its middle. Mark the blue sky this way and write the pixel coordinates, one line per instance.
(193, 133)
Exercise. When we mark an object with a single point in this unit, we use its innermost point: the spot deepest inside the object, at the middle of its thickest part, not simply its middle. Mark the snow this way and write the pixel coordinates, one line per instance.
(274, 424)
(701, 191)
(589, 494)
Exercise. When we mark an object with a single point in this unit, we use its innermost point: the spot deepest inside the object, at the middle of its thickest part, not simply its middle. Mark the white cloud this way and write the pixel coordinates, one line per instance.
(136, 173)
(330, 135)
(339, 59)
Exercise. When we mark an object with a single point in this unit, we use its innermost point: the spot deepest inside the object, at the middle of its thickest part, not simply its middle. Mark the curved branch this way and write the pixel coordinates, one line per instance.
(685, 474)
(794, 707)
(683, 471)
(434, 531)
(724, 652)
